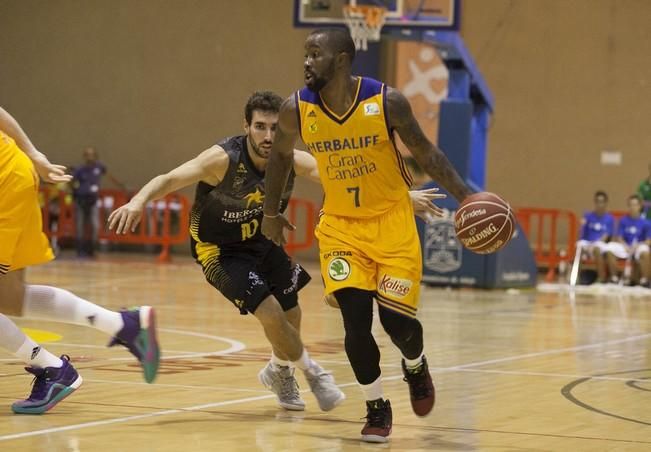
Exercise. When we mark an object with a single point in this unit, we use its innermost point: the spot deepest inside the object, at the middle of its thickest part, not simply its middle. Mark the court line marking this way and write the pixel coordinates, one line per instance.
(234, 347)
(544, 374)
(154, 414)
(533, 354)
(269, 396)
(441, 370)
(552, 352)
(167, 385)
(103, 347)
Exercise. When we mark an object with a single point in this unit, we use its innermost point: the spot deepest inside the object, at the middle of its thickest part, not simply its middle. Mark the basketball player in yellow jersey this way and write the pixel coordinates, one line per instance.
(22, 243)
(369, 247)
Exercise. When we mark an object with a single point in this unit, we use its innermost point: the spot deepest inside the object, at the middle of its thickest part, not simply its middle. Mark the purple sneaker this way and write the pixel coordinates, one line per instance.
(50, 386)
(139, 336)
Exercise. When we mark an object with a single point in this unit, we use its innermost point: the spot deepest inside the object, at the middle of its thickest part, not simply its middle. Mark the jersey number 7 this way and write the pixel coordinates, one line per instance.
(354, 190)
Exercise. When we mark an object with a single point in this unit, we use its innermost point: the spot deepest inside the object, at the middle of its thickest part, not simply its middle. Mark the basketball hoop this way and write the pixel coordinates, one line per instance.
(365, 23)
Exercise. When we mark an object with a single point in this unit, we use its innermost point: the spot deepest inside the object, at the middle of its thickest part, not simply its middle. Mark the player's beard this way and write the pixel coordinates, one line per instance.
(256, 148)
(318, 82)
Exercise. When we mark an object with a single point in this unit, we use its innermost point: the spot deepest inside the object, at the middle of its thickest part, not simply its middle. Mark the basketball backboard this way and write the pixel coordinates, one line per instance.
(430, 14)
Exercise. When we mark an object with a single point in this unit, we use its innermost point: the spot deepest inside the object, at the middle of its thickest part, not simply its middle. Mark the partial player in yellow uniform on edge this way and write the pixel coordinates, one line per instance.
(368, 243)
(22, 244)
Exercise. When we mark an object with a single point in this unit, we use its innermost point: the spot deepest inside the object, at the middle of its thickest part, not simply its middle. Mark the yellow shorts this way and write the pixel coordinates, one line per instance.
(22, 241)
(381, 254)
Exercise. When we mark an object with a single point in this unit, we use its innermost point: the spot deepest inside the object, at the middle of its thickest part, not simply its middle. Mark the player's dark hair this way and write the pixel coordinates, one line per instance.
(635, 196)
(601, 193)
(338, 40)
(265, 101)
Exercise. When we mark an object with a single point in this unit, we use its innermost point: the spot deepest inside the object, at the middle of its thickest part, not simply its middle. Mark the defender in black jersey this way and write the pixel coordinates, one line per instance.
(252, 272)
(226, 240)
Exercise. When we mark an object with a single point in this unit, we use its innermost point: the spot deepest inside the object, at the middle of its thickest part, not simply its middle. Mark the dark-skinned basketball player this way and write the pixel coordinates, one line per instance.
(368, 243)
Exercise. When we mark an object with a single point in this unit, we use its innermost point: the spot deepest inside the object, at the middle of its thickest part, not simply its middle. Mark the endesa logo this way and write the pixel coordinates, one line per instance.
(397, 287)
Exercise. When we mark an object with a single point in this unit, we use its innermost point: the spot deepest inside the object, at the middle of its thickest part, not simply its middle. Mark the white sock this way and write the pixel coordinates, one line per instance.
(52, 303)
(413, 363)
(373, 391)
(304, 362)
(279, 362)
(22, 347)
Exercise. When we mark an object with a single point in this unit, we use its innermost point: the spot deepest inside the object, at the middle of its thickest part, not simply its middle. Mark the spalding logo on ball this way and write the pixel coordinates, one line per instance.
(484, 223)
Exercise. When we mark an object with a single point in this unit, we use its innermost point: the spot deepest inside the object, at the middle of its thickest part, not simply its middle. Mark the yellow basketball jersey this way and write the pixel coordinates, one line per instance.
(362, 172)
(7, 151)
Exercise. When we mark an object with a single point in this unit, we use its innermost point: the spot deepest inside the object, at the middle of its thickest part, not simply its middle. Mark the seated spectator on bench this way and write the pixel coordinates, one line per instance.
(630, 243)
(596, 229)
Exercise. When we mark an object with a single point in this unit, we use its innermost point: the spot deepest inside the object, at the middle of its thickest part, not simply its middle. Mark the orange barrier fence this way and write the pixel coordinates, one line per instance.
(552, 235)
(301, 212)
(164, 222)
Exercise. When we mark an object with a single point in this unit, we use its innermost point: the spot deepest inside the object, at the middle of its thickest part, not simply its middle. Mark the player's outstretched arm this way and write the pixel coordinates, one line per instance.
(209, 166)
(46, 170)
(280, 164)
(427, 154)
(305, 166)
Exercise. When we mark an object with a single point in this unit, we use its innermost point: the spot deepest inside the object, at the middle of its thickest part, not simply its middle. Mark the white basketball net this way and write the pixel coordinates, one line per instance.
(365, 23)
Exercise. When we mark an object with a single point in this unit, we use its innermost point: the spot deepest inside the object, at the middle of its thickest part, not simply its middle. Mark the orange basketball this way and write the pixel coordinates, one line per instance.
(484, 223)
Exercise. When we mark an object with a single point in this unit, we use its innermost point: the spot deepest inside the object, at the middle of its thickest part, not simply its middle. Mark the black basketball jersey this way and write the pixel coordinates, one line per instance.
(231, 211)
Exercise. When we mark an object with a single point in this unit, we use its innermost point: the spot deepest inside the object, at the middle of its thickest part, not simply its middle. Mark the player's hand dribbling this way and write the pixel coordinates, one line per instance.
(273, 228)
(423, 205)
(126, 218)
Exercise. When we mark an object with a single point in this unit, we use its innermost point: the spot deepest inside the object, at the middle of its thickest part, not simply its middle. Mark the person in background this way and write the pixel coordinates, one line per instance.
(596, 229)
(644, 190)
(630, 242)
(86, 184)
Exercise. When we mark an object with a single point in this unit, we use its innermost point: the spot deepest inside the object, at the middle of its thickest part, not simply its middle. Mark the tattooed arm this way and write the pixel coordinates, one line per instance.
(427, 154)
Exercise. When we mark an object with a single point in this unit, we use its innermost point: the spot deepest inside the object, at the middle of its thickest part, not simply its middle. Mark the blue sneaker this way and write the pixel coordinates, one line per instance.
(50, 386)
(139, 336)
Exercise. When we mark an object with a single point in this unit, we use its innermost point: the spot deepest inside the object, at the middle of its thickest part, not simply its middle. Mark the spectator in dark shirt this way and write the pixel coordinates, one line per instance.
(87, 179)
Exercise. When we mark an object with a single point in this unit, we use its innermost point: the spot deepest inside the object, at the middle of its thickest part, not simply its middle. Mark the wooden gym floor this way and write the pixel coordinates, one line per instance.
(521, 371)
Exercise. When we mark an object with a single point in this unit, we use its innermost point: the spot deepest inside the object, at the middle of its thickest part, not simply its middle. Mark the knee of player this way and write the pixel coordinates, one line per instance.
(397, 326)
(293, 314)
(12, 295)
(270, 312)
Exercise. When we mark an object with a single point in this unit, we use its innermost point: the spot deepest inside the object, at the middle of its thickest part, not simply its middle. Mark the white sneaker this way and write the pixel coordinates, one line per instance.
(323, 386)
(280, 380)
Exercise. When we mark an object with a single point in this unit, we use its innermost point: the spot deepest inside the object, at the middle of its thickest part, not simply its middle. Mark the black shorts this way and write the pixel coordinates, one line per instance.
(246, 273)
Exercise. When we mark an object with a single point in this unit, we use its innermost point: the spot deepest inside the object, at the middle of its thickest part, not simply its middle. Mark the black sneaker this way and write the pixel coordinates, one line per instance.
(379, 419)
(421, 388)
